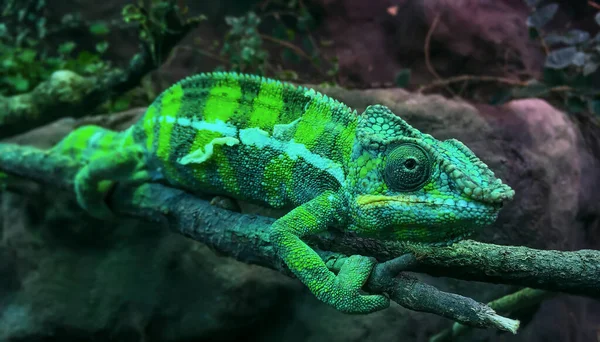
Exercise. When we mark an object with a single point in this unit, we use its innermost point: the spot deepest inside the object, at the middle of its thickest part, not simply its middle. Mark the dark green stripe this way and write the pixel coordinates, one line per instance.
(294, 103)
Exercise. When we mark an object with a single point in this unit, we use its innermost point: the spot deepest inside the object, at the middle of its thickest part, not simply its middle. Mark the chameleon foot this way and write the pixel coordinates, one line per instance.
(90, 195)
(94, 180)
(345, 294)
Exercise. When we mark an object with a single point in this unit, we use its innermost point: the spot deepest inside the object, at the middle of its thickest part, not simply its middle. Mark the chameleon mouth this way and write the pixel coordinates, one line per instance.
(389, 201)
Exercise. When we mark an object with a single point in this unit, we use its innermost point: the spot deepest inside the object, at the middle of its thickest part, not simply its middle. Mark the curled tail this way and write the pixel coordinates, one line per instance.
(90, 142)
(106, 157)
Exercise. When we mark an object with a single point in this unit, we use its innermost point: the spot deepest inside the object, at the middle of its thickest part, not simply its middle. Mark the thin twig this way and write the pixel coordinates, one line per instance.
(543, 42)
(430, 67)
(291, 46)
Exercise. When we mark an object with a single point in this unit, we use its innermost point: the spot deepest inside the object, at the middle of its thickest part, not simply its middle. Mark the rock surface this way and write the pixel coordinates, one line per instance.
(65, 277)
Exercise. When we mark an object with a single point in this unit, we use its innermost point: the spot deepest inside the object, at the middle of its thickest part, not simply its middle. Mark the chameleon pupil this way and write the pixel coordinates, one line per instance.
(410, 163)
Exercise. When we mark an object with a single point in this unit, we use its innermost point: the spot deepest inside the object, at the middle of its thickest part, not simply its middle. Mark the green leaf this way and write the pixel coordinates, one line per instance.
(19, 83)
(67, 19)
(542, 16)
(8, 63)
(41, 27)
(291, 34)
(99, 29)
(54, 62)
(66, 48)
(86, 57)
(561, 58)
(27, 56)
(403, 78)
(305, 20)
(131, 13)
(121, 104)
(101, 47)
(597, 17)
(21, 14)
(252, 19)
(93, 68)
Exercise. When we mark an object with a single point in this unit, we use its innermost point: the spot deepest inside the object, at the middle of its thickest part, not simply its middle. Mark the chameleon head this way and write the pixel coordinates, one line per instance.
(403, 184)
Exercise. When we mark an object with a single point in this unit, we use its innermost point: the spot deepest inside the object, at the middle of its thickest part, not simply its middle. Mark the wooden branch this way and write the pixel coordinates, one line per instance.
(68, 94)
(246, 238)
(576, 272)
(511, 303)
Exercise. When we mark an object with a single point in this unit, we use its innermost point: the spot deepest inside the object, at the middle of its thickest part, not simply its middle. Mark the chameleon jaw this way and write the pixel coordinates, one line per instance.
(389, 201)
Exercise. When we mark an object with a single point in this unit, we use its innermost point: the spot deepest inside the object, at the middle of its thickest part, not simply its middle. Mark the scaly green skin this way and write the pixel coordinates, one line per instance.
(285, 146)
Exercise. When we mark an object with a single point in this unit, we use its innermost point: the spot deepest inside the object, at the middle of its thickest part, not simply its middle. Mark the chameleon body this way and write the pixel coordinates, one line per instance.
(286, 146)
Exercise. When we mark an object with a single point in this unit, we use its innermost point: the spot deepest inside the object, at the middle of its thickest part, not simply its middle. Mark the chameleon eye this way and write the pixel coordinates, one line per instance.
(407, 168)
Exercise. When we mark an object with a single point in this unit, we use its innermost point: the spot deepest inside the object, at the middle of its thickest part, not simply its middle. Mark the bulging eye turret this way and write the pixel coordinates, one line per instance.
(407, 167)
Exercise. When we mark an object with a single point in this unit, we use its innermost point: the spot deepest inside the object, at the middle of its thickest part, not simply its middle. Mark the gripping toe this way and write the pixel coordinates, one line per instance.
(348, 284)
(91, 195)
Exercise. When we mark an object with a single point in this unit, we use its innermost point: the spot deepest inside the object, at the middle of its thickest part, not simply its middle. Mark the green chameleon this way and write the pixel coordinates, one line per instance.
(286, 146)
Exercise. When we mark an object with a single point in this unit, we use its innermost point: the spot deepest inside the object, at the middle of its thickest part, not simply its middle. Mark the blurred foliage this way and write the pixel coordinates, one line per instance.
(151, 17)
(572, 61)
(26, 59)
(243, 45)
(275, 38)
(31, 48)
(285, 25)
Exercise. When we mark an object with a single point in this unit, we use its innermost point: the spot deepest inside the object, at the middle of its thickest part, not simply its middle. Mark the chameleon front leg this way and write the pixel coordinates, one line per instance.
(95, 179)
(341, 291)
